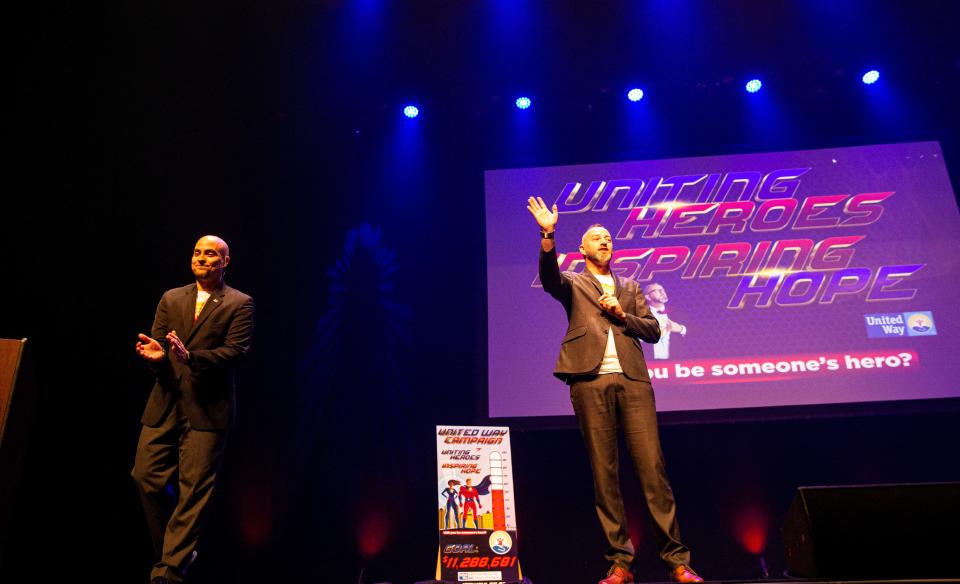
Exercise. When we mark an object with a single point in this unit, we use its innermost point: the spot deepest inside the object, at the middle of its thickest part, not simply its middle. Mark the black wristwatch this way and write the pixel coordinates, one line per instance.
(546, 234)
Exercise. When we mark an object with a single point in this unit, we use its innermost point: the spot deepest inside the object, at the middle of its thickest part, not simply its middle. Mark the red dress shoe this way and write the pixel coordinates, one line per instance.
(617, 575)
(684, 574)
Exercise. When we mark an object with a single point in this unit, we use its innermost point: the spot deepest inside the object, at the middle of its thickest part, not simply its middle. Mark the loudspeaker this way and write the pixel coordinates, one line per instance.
(874, 532)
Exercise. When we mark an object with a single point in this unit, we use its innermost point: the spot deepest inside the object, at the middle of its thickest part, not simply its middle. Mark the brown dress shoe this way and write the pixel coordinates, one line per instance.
(684, 574)
(618, 575)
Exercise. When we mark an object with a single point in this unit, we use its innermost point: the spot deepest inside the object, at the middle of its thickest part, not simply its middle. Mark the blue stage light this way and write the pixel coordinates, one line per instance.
(524, 102)
(870, 77)
(411, 111)
(635, 94)
(753, 85)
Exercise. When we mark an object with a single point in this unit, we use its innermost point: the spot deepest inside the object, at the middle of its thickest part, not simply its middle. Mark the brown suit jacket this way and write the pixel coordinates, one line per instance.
(217, 341)
(585, 342)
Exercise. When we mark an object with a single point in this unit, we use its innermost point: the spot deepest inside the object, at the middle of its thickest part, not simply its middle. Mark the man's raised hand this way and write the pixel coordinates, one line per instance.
(546, 218)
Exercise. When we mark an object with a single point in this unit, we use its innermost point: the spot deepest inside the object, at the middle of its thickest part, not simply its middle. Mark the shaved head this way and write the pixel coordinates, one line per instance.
(596, 245)
(656, 294)
(583, 238)
(220, 244)
(211, 256)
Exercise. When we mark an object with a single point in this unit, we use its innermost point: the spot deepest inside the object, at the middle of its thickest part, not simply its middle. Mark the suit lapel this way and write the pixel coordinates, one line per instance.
(189, 305)
(593, 279)
(214, 302)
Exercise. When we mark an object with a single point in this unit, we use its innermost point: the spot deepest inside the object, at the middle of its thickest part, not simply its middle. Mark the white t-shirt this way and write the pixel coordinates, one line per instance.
(610, 362)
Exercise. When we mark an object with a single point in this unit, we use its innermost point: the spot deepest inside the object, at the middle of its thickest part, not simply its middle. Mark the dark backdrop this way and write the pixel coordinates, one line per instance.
(136, 128)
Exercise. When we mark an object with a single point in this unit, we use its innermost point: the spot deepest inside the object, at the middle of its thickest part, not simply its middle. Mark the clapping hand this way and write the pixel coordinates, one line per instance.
(177, 348)
(149, 349)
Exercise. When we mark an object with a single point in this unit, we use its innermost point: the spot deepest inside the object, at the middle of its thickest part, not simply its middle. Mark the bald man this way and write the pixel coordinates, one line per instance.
(200, 333)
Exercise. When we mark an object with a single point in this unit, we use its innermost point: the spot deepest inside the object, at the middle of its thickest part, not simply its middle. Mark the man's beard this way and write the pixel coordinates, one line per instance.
(211, 274)
(602, 262)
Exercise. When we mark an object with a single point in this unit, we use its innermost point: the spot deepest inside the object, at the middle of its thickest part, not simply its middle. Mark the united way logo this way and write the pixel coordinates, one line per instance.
(500, 542)
(900, 324)
(880, 326)
(920, 324)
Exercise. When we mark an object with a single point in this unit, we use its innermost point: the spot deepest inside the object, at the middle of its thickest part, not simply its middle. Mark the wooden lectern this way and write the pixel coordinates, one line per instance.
(11, 352)
(17, 401)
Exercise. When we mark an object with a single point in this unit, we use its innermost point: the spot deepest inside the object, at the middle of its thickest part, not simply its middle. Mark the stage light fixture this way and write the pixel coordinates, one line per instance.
(753, 85)
(411, 111)
(524, 102)
(635, 94)
(871, 76)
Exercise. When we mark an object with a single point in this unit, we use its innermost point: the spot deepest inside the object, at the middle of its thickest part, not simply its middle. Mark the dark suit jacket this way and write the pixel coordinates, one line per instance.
(217, 342)
(586, 340)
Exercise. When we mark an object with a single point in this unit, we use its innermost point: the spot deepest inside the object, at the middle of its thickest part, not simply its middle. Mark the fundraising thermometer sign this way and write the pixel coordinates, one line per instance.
(475, 512)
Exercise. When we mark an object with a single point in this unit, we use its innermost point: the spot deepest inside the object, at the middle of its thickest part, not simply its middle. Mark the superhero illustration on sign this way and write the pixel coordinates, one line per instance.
(453, 509)
(475, 507)
(470, 496)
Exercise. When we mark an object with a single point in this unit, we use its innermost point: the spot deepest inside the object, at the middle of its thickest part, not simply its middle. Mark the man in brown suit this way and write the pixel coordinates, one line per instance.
(601, 360)
(191, 405)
